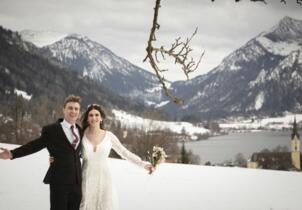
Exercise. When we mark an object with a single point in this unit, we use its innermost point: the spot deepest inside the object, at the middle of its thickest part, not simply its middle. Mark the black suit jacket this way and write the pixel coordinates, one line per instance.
(66, 168)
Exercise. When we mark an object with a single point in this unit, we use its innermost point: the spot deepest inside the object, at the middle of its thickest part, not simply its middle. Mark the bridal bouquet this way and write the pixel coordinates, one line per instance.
(158, 156)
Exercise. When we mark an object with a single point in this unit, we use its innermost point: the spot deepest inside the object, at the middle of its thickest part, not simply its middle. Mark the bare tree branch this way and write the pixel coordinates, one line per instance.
(179, 51)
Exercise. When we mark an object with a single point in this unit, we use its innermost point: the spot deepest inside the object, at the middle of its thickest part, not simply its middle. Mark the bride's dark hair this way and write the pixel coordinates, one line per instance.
(90, 107)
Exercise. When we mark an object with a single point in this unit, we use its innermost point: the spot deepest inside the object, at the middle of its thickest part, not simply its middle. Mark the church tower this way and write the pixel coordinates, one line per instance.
(295, 145)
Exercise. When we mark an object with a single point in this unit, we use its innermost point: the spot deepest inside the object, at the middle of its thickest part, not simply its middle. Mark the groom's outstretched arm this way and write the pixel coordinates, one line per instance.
(31, 147)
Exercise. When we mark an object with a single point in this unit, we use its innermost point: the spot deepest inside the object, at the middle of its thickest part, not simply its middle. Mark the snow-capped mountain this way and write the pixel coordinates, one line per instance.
(263, 76)
(95, 61)
(24, 72)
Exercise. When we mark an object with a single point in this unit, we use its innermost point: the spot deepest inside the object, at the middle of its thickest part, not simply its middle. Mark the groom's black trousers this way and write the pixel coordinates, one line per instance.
(65, 197)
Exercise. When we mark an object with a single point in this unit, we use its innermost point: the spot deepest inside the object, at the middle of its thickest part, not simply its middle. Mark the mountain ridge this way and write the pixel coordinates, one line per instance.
(23, 68)
(241, 84)
(99, 63)
(230, 88)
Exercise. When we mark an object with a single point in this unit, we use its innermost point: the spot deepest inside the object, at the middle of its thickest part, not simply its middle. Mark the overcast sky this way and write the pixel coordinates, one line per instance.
(124, 25)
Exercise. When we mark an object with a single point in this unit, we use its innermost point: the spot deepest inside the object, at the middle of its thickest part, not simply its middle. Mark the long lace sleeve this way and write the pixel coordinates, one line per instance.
(125, 153)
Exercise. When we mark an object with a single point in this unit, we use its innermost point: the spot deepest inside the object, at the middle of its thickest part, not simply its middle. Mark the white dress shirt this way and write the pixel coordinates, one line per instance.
(68, 133)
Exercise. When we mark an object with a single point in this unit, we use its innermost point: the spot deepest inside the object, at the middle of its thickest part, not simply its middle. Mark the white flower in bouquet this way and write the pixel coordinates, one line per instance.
(158, 156)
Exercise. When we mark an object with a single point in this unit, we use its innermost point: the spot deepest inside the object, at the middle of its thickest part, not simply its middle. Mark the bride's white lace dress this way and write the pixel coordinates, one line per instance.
(97, 185)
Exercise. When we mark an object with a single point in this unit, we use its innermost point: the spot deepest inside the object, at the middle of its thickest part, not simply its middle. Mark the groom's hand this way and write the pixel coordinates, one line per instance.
(5, 154)
(51, 159)
(149, 168)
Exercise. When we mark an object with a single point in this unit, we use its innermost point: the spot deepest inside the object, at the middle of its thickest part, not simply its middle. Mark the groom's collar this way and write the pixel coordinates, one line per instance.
(67, 124)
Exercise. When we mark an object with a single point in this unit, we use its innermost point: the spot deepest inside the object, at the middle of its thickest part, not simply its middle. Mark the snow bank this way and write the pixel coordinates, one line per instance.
(171, 187)
(22, 93)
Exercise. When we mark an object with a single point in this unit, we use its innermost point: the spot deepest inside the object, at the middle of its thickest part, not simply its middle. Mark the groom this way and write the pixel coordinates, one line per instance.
(62, 140)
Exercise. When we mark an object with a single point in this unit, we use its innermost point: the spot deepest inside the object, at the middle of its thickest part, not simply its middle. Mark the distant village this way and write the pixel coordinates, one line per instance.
(290, 161)
(278, 159)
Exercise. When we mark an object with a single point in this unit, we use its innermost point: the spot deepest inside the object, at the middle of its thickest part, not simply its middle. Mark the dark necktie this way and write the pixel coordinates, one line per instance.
(76, 138)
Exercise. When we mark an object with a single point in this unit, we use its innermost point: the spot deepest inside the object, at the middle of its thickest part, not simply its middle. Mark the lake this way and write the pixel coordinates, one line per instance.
(220, 148)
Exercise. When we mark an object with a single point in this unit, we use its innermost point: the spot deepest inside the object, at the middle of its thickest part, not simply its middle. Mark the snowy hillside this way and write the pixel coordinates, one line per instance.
(171, 187)
(130, 121)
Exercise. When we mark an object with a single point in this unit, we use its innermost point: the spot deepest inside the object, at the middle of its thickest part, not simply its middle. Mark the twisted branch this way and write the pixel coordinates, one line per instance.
(179, 51)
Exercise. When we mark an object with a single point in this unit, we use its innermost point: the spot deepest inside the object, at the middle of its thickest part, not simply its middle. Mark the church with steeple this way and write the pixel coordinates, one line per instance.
(295, 147)
(280, 160)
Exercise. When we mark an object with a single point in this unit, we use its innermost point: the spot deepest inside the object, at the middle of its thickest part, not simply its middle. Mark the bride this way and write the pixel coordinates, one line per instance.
(96, 178)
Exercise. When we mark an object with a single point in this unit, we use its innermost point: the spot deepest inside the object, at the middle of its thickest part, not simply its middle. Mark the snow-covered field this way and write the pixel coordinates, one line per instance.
(131, 121)
(276, 123)
(171, 187)
(266, 123)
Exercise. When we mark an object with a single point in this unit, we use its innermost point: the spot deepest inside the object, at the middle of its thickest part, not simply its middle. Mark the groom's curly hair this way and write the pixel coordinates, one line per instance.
(72, 98)
(90, 107)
